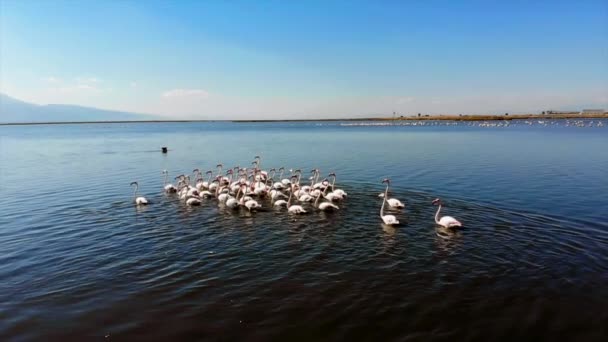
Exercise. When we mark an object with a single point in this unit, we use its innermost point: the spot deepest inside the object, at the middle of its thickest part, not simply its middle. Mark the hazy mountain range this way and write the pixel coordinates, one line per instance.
(13, 110)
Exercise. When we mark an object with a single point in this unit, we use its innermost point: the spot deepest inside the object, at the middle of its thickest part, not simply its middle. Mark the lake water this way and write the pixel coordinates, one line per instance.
(79, 260)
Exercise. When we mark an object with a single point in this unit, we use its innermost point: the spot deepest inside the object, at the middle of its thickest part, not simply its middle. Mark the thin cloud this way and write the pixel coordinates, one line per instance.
(186, 93)
(87, 80)
(51, 79)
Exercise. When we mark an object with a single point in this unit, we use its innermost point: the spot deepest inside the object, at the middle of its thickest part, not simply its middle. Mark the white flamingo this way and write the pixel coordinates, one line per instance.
(294, 209)
(233, 202)
(325, 206)
(168, 187)
(387, 219)
(392, 202)
(193, 200)
(339, 192)
(445, 221)
(138, 200)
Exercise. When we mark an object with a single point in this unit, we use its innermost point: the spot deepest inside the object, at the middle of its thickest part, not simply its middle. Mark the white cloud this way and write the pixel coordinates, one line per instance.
(51, 79)
(186, 93)
(87, 80)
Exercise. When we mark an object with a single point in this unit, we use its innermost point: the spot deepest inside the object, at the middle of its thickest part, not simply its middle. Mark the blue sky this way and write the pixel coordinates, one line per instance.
(277, 59)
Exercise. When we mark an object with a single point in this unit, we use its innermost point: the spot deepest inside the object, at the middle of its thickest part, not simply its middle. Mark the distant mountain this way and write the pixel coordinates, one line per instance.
(13, 110)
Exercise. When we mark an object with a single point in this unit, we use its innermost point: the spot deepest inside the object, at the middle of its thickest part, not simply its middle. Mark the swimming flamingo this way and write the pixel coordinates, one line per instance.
(193, 200)
(294, 209)
(445, 221)
(333, 183)
(138, 200)
(387, 219)
(325, 206)
(233, 202)
(168, 187)
(392, 202)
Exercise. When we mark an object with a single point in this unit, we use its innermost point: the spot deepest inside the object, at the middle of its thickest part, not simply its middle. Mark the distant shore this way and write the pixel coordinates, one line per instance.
(507, 117)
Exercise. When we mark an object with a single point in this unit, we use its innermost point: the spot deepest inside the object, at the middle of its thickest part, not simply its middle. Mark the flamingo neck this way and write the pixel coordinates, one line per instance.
(165, 181)
(290, 195)
(437, 214)
(384, 201)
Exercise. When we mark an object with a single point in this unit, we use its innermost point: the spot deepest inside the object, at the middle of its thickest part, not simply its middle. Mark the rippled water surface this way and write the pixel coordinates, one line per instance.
(79, 260)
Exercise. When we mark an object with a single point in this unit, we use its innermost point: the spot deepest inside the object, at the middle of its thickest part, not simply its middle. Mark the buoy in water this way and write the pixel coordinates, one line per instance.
(164, 149)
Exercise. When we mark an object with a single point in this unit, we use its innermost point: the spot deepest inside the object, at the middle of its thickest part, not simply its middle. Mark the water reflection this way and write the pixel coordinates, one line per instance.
(447, 241)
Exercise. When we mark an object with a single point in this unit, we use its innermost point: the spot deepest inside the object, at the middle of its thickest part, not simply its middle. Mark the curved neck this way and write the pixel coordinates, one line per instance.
(384, 201)
(317, 200)
(135, 190)
(290, 195)
(270, 177)
(437, 214)
(281, 175)
(333, 182)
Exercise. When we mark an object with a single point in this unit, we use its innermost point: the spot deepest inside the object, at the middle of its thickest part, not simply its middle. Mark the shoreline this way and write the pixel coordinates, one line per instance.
(408, 118)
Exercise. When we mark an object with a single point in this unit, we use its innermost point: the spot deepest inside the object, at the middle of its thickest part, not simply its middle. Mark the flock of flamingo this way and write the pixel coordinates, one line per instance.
(240, 187)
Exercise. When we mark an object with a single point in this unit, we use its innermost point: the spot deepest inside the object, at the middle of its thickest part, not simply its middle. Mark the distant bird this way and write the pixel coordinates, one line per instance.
(387, 219)
(445, 221)
(138, 200)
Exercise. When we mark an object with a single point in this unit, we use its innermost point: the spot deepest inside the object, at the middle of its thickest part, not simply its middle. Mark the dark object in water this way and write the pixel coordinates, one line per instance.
(164, 149)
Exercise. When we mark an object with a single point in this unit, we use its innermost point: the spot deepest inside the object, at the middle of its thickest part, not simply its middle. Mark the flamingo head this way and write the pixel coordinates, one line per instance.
(209, 172)
(332, 174)
(165, 171)
(256, 157)
(229, 172)
(436, 201)
(195, 171)
(281, 169)
(219, 165)
(273, 169)
(134, 183)
(386, 180)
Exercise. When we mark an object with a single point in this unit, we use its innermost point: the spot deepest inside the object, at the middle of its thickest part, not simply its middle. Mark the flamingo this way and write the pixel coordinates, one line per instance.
(325, 206)
(279, 185)
(395, 203)
(193, 200)
(168, 187)
(233, 202)
(294, 209)
(392, 202)
(206, 183)
(333, 183)
(138, 200)
(387, 219)
(445, 221)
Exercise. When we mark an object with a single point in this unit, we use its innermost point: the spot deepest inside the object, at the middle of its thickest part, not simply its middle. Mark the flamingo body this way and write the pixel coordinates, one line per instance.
(449, 222)
(296, 209)
(395, 203)
(141, 200)
(326, 206)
